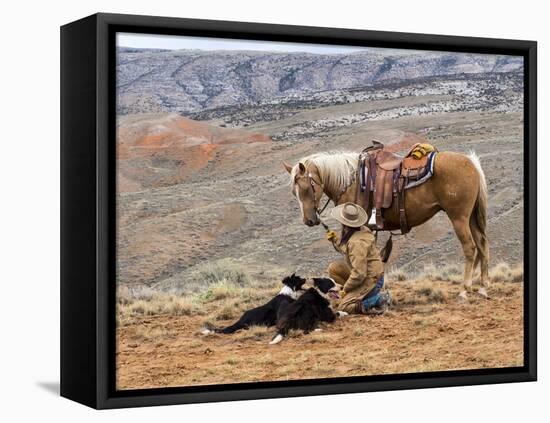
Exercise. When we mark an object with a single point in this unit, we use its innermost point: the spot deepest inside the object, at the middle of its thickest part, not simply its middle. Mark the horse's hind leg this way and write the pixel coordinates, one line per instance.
(482, 257)
(461, 226)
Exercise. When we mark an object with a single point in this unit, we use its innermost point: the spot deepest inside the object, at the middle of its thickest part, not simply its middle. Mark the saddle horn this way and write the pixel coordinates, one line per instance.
(374, 145)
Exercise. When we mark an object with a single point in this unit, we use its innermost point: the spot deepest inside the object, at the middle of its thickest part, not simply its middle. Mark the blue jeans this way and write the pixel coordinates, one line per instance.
(372, 299)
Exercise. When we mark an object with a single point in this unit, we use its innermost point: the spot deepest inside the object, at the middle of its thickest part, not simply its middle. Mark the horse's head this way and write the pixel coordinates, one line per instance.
(307, 189)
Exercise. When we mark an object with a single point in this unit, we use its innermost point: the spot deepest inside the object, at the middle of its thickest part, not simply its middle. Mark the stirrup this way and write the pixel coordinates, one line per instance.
(371, 224)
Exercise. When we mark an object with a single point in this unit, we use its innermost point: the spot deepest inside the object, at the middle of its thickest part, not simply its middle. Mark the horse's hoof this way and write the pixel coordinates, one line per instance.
(483, 293)
(342, 313)
(463, 297)
(318, 330)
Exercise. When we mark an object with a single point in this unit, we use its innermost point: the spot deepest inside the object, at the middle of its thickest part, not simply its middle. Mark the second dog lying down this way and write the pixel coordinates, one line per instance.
(309, 309)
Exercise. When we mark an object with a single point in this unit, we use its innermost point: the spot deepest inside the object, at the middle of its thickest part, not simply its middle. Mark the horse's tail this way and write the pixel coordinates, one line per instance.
(478, 221)
(481, 203)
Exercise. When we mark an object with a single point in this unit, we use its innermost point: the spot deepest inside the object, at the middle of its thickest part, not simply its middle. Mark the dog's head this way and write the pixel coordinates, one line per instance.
(328, 287)
(294, 282)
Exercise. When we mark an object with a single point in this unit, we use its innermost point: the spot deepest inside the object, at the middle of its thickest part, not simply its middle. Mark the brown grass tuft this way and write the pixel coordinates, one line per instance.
(220, 271)
(226, 312)
(152, 304)
(432, 293)
(144, 333)
(503, 272)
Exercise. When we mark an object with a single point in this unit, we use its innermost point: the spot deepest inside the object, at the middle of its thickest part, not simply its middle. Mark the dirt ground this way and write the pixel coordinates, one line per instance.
(427, 329)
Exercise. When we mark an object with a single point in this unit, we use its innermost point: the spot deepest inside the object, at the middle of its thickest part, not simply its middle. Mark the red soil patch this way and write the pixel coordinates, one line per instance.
(165, 150)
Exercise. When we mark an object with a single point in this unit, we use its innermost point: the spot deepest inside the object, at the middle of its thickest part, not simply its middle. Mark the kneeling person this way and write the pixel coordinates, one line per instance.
(362, 271)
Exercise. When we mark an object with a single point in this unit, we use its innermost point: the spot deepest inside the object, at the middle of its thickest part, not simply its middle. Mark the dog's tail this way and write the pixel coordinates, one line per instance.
(208, 329)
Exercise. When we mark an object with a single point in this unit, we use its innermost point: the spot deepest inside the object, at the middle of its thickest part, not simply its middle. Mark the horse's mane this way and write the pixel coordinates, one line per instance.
(336, 169)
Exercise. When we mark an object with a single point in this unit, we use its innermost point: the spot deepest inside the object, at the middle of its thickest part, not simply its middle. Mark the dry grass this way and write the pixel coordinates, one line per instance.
(223, 283)
(426, 330)
(144, 302)
(148, 333)
(220, 271)
(433, 294)
(502, 272)
(220, 290)
(231, 291)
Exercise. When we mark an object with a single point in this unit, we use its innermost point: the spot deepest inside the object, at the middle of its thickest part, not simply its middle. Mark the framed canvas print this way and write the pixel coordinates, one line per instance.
(257, 211)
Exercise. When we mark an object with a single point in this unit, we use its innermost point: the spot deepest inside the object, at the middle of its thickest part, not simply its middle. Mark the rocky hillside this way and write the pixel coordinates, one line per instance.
(191, 81)
(202, 135)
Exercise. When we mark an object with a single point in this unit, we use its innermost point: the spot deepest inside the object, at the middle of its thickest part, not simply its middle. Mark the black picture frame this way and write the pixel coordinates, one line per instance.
(88, 215)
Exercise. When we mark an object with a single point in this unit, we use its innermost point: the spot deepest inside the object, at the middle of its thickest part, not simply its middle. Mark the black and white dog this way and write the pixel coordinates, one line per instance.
(265, 315)
(309, 310)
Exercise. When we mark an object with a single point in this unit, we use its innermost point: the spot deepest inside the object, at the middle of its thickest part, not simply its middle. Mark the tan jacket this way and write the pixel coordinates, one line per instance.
(363, 258)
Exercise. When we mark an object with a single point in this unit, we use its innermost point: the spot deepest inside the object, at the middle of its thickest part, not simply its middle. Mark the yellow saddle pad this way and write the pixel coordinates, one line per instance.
(421, 150)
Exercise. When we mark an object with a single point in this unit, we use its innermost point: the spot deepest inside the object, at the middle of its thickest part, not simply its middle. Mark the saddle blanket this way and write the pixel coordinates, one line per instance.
(428, 175)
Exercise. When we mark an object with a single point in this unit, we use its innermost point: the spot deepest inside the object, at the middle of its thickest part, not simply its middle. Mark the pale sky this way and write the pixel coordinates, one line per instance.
(176, 42)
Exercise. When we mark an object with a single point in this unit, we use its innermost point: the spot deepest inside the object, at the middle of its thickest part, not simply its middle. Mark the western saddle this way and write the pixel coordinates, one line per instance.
(384, 176)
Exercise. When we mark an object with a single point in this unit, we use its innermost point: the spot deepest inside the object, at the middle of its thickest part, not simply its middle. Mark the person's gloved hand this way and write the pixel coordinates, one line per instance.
(331, 235)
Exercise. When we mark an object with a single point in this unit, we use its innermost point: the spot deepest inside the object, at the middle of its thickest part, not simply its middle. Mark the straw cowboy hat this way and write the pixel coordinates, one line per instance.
(350, 214)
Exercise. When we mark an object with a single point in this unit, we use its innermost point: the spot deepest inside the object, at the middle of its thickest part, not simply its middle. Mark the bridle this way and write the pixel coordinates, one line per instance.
(312, 183)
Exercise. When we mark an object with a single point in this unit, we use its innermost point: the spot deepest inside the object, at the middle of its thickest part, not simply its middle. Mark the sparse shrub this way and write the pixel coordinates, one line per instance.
(432, 293)
(516, 274)
(399, 275)
(154, 304)
(425, 290)
(220, 290)
(451, 273)
(226, 312)
(129, 294)
(502, 272)
(430, 272)
(180, 306)
(358, 332)
(147, 333)
(222, 271)
(438, 296)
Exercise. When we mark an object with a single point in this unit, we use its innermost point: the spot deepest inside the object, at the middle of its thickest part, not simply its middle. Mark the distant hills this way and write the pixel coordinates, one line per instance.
(191, 81)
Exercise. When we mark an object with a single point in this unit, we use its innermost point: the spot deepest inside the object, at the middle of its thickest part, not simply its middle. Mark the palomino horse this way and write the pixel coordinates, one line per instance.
(457, 187)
